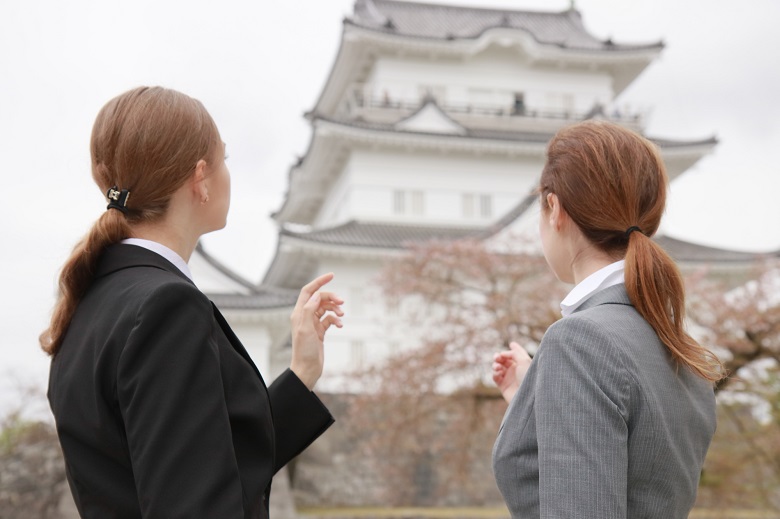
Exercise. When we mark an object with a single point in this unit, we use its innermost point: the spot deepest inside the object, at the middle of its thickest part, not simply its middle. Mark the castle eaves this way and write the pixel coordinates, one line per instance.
(499, 135)
(264, 300)
(448, 22)
(380, 235)
(398, 236)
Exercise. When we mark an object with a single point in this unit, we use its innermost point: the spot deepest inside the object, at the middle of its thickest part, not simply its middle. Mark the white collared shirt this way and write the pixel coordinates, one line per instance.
(603, 278)
(163, 251)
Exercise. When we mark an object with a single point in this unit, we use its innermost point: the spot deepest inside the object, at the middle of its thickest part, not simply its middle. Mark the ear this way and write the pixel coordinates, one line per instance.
(199, 187)
(554, 211)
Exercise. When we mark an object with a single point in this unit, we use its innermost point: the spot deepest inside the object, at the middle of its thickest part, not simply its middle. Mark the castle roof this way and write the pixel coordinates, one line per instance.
(230, 290)
(333, 137)
(397, 236)
(449, 22)
(379, 235)
(389, 237)
(390, 27)
(501, 135)
(261, 300)
(688, 252)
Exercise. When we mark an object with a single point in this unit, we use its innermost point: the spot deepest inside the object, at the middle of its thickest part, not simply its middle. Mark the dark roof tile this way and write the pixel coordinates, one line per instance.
(685, 251)
(380, 235)
(262, 300)
(563, 29)
(396, 236)
(502, 135)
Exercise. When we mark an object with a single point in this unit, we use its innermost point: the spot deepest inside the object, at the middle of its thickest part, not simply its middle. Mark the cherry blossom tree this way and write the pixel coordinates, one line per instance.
(743, 325)
(432, 414)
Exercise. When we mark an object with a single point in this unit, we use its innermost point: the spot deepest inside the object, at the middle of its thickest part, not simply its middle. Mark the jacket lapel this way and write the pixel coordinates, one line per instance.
(233, 339)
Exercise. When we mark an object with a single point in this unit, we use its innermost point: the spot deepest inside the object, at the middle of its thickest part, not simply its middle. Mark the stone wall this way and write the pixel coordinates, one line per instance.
(342, 470)
(33, 484)
(32, 472)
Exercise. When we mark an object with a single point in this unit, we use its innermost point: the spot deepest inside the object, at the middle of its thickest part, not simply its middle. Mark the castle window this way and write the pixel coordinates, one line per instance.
(409, 202)
(485, 206)
(467, 205)
(477, 206)
(418, 206)
(399, 202)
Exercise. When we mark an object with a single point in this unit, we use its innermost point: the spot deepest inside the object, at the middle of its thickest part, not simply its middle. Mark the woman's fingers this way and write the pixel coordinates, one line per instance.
(312, 287)
(329, 307)
(518, 352)
(331, 298)
(327, 322)
(505, 359)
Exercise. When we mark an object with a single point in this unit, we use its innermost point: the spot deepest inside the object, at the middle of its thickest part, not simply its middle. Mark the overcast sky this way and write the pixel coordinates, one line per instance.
(257, 66)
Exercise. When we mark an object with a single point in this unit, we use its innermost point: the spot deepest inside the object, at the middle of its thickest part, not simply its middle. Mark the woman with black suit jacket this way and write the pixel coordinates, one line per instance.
(159, 409)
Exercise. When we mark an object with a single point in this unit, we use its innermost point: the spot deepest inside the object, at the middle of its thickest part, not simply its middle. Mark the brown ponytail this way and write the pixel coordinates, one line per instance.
(148, 141)
(609, 179)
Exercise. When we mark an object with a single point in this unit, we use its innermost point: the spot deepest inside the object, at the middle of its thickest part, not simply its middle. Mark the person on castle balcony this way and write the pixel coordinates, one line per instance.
(614, 415)
(160, 411)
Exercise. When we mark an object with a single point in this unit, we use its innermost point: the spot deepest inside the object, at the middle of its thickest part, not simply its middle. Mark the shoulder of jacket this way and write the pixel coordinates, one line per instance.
(586, 333)
(153, 286)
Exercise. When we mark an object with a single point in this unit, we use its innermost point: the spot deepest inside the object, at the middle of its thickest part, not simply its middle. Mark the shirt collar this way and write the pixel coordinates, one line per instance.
(603, 278)
(163, 251)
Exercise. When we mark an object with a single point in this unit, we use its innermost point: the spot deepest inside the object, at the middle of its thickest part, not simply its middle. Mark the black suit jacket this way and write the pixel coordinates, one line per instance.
(159, 409)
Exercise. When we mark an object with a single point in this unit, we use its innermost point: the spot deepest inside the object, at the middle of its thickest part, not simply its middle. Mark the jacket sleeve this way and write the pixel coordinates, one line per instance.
(299, 417)
(582, 393)
(169, 389)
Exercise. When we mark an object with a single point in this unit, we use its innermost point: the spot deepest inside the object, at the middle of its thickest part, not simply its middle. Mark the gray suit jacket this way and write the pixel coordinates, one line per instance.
(605, 425)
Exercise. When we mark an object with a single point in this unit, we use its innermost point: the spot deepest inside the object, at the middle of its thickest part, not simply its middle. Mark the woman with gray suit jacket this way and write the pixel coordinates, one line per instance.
(614, 415)
(160, 411)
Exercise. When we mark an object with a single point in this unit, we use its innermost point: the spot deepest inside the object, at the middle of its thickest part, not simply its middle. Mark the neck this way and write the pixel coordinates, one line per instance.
(587, 261)
(176, 239)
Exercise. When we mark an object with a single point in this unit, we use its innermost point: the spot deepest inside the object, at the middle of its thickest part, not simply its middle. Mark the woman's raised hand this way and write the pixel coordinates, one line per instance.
(314, 312)
(509, 369)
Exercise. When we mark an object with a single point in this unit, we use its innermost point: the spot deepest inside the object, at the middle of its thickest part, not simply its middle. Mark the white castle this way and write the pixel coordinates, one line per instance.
(433, 123)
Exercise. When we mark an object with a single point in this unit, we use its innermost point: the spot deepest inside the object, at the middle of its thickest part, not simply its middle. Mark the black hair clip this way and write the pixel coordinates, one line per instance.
(117, 199)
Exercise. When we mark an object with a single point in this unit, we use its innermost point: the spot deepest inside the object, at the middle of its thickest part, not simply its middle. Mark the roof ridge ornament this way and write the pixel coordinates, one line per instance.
(377, 16)
(430, 118)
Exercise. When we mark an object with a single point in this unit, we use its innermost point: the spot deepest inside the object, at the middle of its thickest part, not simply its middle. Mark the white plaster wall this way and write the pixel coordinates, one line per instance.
(335, 208)
(366, 319)
(491, 77)
(366, 188)
(256, 340)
